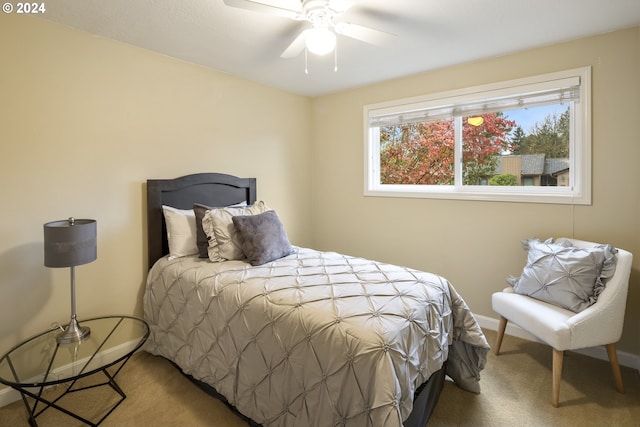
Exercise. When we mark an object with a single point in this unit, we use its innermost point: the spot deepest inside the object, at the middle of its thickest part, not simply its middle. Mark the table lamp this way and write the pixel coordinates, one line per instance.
(68, 243)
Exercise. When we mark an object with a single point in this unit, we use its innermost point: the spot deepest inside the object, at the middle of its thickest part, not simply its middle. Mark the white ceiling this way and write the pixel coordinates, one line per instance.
(430, 34)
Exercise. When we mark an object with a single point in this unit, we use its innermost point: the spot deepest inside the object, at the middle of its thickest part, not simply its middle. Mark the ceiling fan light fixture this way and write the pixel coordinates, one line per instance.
(320, 41)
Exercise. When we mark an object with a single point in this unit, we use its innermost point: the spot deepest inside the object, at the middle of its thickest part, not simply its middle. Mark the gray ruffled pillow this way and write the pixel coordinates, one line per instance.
(262, 237)
(564, 275)
(201, 237)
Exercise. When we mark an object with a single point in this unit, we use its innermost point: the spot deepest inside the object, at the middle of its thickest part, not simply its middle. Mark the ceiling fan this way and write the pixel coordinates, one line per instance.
(324, 17)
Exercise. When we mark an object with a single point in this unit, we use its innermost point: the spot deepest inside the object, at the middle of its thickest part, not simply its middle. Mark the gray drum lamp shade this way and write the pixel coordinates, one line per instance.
(71, 242)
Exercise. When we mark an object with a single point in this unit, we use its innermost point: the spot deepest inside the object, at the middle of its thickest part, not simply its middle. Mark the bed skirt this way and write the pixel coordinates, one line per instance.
(424, 401)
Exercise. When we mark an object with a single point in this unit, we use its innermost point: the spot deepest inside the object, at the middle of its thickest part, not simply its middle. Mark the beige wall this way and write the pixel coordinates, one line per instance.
(84, 121)
(476, 245)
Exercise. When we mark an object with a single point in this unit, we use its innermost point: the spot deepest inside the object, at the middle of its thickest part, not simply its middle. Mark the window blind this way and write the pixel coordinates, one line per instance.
(555, 92)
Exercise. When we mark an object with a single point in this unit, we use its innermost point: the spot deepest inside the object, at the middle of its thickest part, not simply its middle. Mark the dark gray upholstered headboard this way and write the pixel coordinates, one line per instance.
(211, 189)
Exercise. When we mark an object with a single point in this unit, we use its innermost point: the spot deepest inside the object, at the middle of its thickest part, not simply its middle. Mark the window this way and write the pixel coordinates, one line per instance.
(526, 140)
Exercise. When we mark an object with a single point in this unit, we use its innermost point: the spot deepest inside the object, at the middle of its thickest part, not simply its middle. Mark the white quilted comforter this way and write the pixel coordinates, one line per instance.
(312, 339)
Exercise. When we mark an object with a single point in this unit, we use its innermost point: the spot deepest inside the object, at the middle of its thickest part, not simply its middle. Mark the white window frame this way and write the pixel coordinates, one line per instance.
(579, 192)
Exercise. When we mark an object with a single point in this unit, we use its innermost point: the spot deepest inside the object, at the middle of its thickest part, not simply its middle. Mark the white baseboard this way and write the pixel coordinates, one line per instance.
(8, 395)
(625, 359)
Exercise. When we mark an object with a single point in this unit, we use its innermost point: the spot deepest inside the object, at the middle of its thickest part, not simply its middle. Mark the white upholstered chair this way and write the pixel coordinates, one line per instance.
(599, 324)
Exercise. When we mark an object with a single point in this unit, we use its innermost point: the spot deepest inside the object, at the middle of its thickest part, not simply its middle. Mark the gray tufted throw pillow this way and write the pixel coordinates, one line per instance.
(564, 275)
(262, 237)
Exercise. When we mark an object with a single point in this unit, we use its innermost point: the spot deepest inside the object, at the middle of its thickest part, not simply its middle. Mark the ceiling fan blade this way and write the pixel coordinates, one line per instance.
(258, 6)
(364, 34)
(296, 46)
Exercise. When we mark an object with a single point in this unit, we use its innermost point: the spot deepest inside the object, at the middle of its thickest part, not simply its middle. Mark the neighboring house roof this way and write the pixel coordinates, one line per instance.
(533, 164)
(553, 166)
(536, 164)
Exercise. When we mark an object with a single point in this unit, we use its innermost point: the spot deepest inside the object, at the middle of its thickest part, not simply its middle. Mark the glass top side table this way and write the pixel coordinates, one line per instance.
(41, 361)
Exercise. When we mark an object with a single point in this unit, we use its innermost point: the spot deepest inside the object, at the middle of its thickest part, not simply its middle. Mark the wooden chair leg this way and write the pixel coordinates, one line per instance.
(615, 367)
(557, 377)
(501, 328)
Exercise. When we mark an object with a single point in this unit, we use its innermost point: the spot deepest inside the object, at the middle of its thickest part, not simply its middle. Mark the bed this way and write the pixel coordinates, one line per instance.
(309, 339)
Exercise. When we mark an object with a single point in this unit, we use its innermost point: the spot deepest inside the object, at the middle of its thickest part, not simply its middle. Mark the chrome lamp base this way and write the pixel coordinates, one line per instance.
(73, 333)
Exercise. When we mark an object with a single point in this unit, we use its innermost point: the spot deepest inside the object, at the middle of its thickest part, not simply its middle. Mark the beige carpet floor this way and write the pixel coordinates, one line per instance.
(516, 390)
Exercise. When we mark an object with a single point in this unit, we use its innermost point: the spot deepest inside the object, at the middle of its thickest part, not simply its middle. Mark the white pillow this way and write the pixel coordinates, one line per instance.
(181, 231)
(224, 242)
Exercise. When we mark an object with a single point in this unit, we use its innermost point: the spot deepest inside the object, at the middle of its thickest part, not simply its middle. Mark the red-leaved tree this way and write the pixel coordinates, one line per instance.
(423, 153)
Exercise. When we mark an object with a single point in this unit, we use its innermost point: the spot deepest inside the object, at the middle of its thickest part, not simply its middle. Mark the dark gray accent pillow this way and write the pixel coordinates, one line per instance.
(564, 275)
(201, 238)
(262, 237)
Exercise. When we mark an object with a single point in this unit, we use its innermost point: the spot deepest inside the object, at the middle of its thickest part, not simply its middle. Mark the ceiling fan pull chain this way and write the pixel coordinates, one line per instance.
(306, 66)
